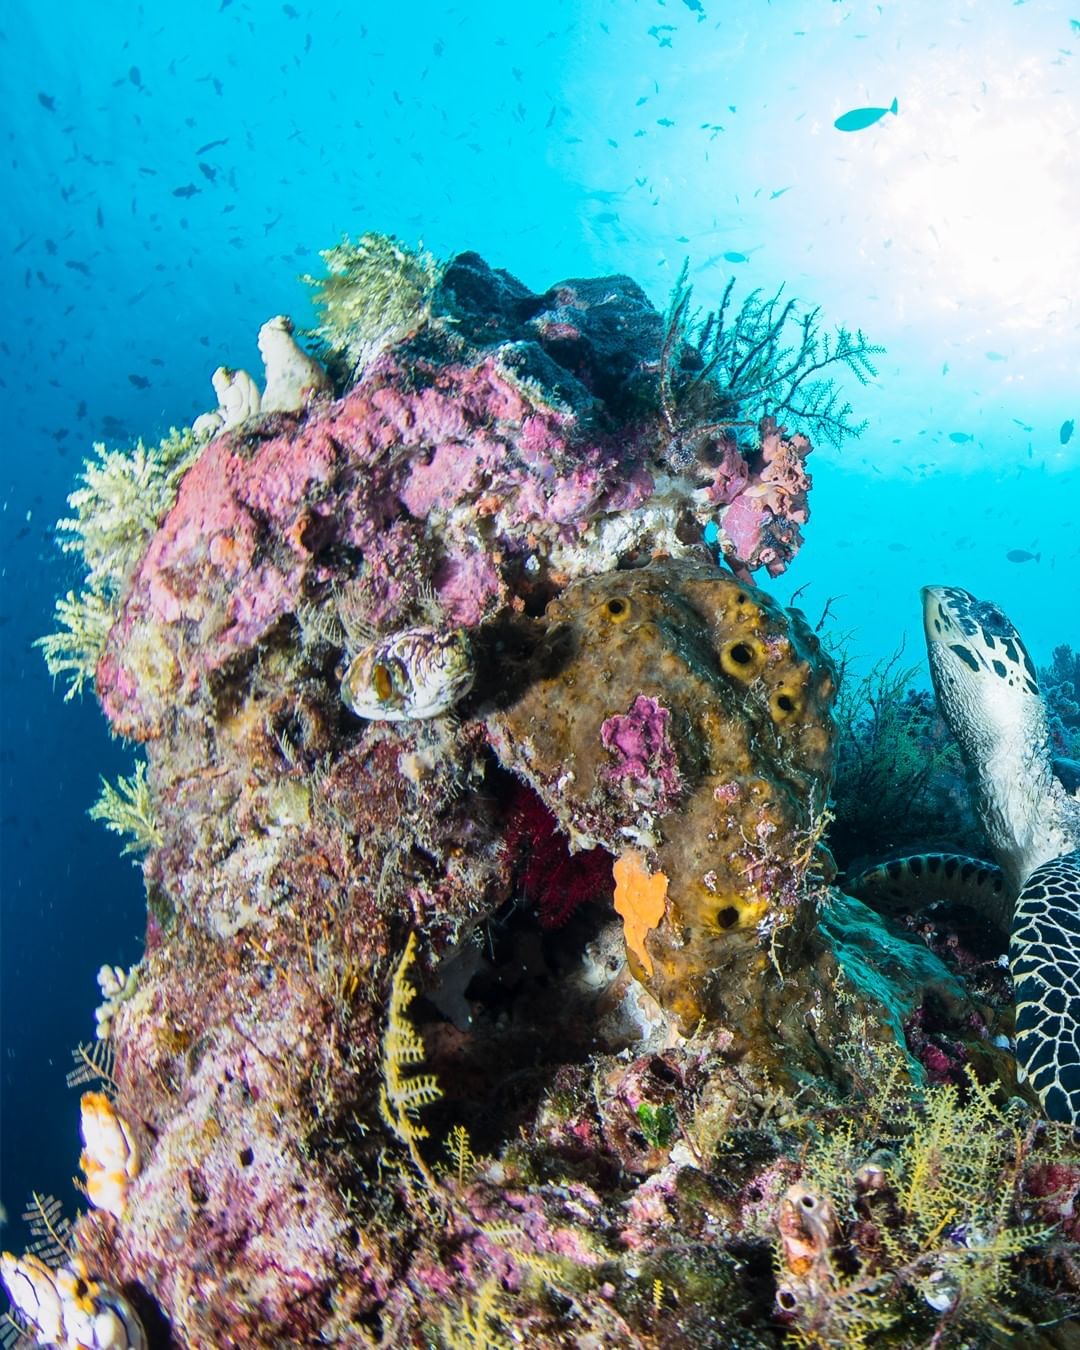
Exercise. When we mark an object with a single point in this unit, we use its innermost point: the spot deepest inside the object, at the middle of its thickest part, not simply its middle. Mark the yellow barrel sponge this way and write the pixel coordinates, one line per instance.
(682, 719)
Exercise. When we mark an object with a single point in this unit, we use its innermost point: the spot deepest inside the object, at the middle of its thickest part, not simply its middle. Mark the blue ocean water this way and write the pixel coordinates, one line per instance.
(169, 172)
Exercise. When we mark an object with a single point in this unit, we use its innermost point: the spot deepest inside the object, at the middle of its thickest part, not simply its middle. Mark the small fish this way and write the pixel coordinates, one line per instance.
(734, 257)
(418, 673)
(1065, 434)
(207, 171)
(960, 437)
(135, 77)
(1021, 555)
(995, 356)
(47, 101)
(139, 381)
(188, 190)
(211, 145)
(858, 119)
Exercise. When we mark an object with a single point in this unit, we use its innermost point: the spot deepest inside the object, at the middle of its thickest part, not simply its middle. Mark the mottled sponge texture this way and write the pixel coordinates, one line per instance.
(679, 713)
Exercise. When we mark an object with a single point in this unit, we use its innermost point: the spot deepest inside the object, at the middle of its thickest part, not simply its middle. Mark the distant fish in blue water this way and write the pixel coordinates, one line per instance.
(139, 381)
(47, 101)
(736, 257)
(858, 119)
(188, 190)
(1022, 555)
(1065, 434)
(961, 437)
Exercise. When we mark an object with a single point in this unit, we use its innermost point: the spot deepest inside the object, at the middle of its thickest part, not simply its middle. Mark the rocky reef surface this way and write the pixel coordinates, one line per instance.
(495, 985)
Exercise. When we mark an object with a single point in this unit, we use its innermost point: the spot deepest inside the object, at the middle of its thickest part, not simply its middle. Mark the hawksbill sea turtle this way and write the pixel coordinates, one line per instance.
(988, 692)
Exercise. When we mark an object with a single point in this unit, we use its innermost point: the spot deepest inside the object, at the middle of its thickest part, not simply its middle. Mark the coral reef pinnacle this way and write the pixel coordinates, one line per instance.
(494, 988)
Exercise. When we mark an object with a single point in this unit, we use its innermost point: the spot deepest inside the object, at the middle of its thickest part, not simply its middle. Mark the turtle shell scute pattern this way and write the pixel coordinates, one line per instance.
(1045, 958)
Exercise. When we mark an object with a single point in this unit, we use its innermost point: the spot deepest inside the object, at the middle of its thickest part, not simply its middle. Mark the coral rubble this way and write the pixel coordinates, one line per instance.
(462, 748)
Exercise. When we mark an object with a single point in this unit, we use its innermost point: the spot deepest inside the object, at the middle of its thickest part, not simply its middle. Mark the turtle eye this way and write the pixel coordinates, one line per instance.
(992, 619)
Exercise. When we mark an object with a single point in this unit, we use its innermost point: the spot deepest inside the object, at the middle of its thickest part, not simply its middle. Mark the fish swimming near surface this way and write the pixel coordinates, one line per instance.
(858, 119)
(1019, 555)
(1065, 434)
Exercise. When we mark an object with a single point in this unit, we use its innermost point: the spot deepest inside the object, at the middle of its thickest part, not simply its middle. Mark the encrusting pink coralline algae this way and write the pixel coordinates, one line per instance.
(487, 477)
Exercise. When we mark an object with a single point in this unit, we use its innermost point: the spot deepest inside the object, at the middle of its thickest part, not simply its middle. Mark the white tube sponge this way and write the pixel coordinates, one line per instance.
(32, 1288)
(66, 1309)
(118, 985)
(292, 376)
(206, 425)
(238, 396)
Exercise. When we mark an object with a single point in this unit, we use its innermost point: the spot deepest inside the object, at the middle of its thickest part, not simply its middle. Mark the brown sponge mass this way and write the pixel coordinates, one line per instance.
(681, 719)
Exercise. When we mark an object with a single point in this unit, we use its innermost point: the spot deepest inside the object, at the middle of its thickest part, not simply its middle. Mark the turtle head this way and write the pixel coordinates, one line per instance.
(985, 682)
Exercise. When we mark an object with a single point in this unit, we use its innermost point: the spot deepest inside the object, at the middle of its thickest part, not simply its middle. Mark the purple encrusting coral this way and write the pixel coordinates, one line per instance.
(645, 760)
(607, 1158)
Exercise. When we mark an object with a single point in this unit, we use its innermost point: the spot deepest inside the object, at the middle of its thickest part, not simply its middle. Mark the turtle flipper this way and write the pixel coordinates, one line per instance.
(916, 881)
(1044, 951)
